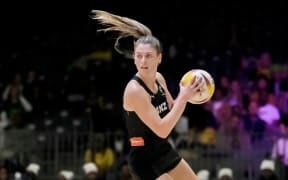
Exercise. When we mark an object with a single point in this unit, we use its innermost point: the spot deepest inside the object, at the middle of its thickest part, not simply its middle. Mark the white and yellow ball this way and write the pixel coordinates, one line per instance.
(207, 90)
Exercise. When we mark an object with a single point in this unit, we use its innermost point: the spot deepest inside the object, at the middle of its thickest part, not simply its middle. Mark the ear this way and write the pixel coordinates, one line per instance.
(160, 58)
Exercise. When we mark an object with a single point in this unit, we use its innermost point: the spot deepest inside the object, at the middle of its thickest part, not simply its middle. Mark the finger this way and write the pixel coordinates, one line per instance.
(198, 81)
(200, 84)
(193, 79)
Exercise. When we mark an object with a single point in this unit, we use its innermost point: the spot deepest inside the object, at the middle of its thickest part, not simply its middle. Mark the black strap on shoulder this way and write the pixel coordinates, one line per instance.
(141, 82)
(160, 88)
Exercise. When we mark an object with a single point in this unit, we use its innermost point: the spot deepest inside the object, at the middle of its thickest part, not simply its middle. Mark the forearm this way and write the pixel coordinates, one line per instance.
(170, 120)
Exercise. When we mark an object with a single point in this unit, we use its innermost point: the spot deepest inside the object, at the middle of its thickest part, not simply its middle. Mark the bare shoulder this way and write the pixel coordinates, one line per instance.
(133, 92)
(161, 79)
(131, 88)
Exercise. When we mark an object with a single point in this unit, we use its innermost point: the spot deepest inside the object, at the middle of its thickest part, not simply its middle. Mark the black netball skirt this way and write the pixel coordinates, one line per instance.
(152, 160)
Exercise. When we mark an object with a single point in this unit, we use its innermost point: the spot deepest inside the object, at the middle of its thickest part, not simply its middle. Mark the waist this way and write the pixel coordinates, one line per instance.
(147, 141)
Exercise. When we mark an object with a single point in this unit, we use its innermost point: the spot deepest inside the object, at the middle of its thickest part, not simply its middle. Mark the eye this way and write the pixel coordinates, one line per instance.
(138, 56)
(148, 56)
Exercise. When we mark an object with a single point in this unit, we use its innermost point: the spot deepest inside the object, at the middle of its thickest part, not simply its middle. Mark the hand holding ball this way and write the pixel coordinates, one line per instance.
(206, 92)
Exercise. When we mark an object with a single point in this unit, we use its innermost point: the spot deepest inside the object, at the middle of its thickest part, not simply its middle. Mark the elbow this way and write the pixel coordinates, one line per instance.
(162, 134)
(161, 130)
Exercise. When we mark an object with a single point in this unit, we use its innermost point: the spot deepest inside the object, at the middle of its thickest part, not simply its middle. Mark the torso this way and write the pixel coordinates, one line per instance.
(136, 127)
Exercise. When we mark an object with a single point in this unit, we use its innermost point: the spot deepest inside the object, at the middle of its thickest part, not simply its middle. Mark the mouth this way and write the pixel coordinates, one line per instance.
(144, 67)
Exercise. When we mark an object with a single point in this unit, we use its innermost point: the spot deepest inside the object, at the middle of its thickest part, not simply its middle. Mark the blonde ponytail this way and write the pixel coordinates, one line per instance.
(126, 27)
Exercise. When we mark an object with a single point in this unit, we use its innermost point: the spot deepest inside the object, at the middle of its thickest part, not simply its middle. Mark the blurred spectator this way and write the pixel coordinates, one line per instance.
(3, 172)
(231, 133)
(100, 153)
(217, 100)
(124, 172)
(34, 93)
(253, 124)
(276, 81)
(283, 106)
(18, 176)
(91, 171)
(225, 174)
(208, 137)
(3, 124)
(203, 174)
(16, 83)
(32, 171)
(262, 84)
(270, 114)
(267, 111)
(119, 140)
(209, 125)
(181, 132)
(201, 120)
(224, 85)
(16, 107)
(246, 72)
(267, 170)
(282, 100)
(280, 152)
(235, 95)
(263, 87)
(65, 175)
(264, 63)
(30, 85)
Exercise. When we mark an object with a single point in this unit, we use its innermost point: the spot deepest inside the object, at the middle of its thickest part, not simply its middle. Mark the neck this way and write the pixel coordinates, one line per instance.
(149, 80)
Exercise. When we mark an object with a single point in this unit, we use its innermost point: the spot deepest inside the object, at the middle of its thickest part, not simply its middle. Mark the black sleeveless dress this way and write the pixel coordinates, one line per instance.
(156, 156)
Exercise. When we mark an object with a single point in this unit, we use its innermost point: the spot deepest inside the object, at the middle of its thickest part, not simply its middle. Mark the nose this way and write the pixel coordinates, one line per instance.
(143, 60)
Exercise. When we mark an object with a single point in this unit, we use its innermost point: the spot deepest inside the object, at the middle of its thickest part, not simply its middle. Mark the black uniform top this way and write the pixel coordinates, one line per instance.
(135, 126)
(157, 156)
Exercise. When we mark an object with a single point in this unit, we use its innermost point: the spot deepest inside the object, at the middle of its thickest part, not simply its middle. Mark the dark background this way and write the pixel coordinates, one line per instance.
(50, 35)
(48, 27)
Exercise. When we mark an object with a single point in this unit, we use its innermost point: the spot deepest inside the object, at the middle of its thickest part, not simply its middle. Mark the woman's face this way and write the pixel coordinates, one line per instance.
(146, 58)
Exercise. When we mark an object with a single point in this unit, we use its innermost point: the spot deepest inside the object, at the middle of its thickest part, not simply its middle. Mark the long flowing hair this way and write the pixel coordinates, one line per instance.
(124, 26)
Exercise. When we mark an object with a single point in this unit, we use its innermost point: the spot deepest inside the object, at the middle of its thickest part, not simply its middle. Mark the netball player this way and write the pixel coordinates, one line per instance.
(151, 112)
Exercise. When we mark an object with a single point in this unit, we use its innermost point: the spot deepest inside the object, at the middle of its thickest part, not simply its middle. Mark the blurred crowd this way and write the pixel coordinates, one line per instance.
(249, 106)
(250, 102)
(90, 171)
